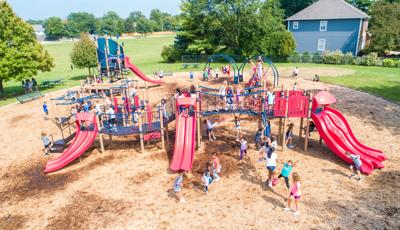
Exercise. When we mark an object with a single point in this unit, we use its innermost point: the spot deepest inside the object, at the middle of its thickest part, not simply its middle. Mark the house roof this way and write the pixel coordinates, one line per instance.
(329, 9)
(38, 28)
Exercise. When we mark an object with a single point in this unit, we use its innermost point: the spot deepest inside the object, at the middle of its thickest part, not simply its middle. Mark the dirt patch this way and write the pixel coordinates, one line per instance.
(89, 211)
(19, 118)
(32, 182)
(13, 222)
(140, 178)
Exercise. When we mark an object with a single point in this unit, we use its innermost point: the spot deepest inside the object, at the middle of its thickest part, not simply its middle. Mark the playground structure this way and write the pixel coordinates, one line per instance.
(134, 117)
(110, 57)
(238, 70)
(113, 63)
(330, 123)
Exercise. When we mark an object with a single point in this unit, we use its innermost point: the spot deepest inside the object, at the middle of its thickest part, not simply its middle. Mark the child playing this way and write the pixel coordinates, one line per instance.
(289, 136)
(46, 143)
(257, 138)
(216, 167)
(210, 127)
(357, 163)
(271, 164)
(263, 148)
(191, 75)
(206, 178)
(270, 100)
(45, 111)
(111, 118)
(229, 98)
(295, 193)
(243, 149)
(238, 128)
(177, 187)
(286, 170)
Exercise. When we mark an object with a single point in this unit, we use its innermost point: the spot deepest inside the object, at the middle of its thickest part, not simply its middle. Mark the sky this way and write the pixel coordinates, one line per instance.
(41, 9)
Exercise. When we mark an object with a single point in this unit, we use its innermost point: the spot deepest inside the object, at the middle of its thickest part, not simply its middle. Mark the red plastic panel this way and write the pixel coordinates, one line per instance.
(280, 106)
(298, 106)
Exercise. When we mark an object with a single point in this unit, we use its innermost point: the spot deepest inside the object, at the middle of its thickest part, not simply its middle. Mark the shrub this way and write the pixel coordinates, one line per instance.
(358, 61)
(333, 57)
(169, 54)
(306, 57)
(389, 62)
(348, 58)
(317, 58)
(371, 59)
(398, 63)
(294, 57)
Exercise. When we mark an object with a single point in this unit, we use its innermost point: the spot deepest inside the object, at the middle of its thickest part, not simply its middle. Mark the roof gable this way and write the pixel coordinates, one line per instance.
(329, 9)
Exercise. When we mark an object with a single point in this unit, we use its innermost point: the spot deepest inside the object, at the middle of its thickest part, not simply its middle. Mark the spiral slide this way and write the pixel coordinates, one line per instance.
(184, 140)
(338, 136)
(82, 141)
(139, 73)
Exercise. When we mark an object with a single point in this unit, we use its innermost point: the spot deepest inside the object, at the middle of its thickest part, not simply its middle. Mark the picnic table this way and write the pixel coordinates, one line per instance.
(29, 97)
(51, 83)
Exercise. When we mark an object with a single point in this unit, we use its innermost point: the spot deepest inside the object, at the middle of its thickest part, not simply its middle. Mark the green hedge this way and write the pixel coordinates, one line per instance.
(339, 58)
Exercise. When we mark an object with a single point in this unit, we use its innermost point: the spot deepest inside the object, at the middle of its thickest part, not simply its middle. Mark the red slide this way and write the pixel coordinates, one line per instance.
(338, 136)
(184, 141)
(139, 73)
(82, 141)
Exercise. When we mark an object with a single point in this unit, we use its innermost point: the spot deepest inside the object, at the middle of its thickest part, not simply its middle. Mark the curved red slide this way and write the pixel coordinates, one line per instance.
(82, 141)
(185, 137)
(184, 143)
(338, 136)
(139, 73)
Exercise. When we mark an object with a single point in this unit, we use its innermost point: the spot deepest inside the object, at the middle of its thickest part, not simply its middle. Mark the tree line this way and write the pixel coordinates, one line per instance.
(109, 24)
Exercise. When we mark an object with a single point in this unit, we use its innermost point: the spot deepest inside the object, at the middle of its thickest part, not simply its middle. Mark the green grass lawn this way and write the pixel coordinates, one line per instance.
(145, 53)
(380, 81)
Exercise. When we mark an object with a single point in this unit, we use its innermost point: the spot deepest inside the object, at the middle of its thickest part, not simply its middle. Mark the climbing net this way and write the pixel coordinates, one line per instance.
(229, 100)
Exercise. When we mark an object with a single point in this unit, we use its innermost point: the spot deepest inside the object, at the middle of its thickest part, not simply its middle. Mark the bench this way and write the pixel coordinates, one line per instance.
(194, 65)
(29, 97)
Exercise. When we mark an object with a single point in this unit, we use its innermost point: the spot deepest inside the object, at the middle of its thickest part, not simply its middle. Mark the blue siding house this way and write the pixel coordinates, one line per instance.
(329, 25)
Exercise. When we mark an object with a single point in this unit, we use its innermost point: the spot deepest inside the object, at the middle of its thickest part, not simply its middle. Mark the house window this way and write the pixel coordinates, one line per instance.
(321, 44)
(295, 25)
(323, 25)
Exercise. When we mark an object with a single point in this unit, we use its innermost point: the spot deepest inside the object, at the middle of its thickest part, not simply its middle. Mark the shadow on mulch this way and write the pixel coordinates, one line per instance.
(29, 181)
(85, 207)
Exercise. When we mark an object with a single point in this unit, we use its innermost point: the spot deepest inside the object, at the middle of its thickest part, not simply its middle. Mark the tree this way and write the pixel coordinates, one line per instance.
(158, 17)
(22, 57)
(239, 27)
(145, 26)
(363, 5)
(111, 24)
(81, 22)
(84, 53)
(291, 7)
(130, 23)
(54, 28)
(385, 27)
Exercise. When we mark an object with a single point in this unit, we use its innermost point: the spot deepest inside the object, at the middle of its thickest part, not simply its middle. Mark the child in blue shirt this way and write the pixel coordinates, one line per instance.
(286, 170)
(206, 178)
(355, 166)
(45, 110)
(177, 187)
(46, 143)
